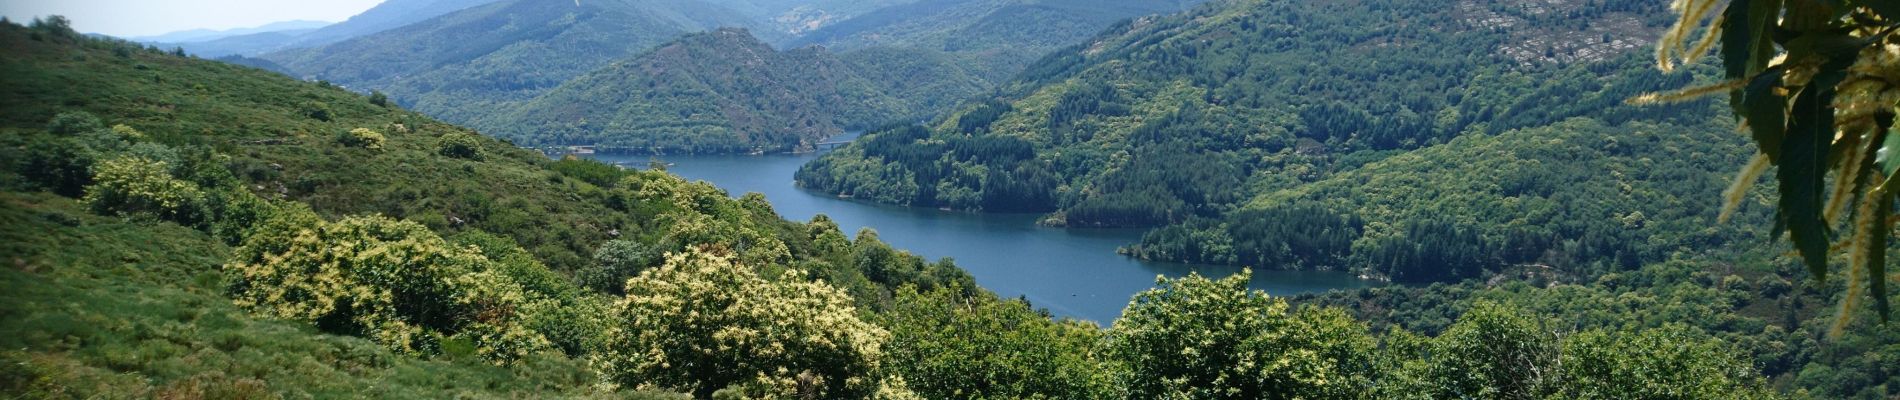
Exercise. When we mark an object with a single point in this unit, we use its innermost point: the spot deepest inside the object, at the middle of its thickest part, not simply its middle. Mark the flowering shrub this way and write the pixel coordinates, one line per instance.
(135, 185)
(392, 281)
(703, 322)
(362, 137)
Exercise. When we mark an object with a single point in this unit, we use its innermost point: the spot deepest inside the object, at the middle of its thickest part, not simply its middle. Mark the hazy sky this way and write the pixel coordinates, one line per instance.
(126, 18)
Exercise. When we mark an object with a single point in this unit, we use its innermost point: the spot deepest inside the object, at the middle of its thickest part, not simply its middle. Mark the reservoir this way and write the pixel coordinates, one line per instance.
(1071, 272)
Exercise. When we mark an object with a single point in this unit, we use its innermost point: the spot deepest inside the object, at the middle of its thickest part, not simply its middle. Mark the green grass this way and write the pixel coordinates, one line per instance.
(112, 308)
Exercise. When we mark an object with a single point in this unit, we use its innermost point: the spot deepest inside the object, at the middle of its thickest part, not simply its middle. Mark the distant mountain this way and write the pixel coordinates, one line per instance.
(798, 17)
(476, 61)
(1002, 35)
(719, 91)
(240, 45)
(726, 92)
(201, 35)
(391, 14)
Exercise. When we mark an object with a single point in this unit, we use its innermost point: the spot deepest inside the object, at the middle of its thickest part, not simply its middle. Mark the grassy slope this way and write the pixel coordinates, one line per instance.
(259, 119)
(134, 307)
(110, 308)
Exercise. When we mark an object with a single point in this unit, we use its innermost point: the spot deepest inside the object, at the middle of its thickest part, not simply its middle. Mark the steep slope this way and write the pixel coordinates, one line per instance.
(702, 95)
(720, 91)
(999, 36)
(390, 14)
(790, 18)
(136, 305)
(1169, 119)
(276, 37)
(476, 61)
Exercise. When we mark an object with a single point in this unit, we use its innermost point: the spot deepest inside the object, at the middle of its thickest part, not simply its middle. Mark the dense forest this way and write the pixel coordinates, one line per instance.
(715, 92)
(1208, 123)
(186, 228)
(543, 74)
(480, 60)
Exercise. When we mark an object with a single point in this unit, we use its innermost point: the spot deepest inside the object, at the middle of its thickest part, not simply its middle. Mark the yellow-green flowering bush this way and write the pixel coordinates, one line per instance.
(392, 281)
(703, 322)
(362, 137)
(133, 185)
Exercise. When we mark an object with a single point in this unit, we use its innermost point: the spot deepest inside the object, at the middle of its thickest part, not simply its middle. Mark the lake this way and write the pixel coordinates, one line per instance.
(1071, 272)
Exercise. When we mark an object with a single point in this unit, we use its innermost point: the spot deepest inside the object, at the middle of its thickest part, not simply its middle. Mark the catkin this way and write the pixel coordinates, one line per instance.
(1732, 198)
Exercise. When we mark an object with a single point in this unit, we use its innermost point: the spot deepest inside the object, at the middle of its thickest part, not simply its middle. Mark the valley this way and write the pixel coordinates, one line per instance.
(949, 199)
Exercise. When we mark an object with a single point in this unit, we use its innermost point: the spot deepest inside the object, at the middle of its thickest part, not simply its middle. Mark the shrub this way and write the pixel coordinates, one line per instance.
(1672, 362)
(614, 262)
(136, 185)
(460, 145)
(58, 165)
(392, 281)
(317, 111)
(704, 323)
(1199, 338)
(362, 137)
(948, 345)
(72, 123)
(379, 99)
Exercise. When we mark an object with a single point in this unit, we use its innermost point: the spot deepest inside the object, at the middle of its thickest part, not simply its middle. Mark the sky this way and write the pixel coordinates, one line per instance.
(131, 18)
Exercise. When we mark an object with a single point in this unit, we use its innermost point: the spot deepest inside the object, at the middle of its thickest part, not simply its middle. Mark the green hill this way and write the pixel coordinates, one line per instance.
(720, 91)
(1185, 118)
(177, 227)
(480, 60)
(996, 38)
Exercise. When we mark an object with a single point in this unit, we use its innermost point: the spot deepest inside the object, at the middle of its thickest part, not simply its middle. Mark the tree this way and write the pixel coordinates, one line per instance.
(392, 281)
(137, 185)
(1813, 82)
(1494, 352)
(614, 262)
(948, 345)
(377, 98)
(59, 165)
(1199, 338)
(73, 123)
(460, 145)
(363, 138)
(1672, 362)
(702, 322)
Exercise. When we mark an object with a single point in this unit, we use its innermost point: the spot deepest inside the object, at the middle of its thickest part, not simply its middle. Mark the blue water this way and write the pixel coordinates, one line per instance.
(1071, 272)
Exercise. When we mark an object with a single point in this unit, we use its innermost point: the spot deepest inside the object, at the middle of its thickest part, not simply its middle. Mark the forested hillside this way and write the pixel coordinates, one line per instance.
(790, 18)
(995, 38)
(184, 228)
(384, 16)
(720, 91)
(495, 67)
(1186, 119)
(480, 60)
